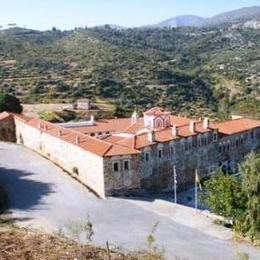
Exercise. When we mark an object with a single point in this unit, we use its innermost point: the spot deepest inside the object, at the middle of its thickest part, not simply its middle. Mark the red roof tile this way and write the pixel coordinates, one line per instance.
(156, 111)
(236, 126)
(87, 143)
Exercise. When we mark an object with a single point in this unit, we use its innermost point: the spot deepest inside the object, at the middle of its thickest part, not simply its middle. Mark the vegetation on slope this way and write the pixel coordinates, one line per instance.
(238, 199)
(19, 243)
(196, 71)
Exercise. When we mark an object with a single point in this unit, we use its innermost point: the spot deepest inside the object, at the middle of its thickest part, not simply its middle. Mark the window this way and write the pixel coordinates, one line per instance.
(126, 165)
(92, 134)
(171, 150)
(160, 153)
(147, 156)
(252, 135)
(215, 137)
(116, 166)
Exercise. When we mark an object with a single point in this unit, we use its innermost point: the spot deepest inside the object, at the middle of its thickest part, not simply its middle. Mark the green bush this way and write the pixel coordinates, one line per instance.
(238, 199)
(10, 103)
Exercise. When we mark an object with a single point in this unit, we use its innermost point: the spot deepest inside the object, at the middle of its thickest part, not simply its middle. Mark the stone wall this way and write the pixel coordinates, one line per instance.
(232, 149)
(185, 154)
(83, 165)
(122, 181)
(157, 173)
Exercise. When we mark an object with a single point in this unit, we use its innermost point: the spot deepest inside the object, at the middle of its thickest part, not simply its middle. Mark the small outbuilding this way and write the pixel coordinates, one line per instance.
(82, 104)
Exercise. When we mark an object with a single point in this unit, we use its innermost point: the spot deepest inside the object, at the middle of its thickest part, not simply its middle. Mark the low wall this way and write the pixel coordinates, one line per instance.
(83, 165)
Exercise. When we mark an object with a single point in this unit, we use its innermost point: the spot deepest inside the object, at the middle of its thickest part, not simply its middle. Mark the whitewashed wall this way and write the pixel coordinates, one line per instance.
(90, 166)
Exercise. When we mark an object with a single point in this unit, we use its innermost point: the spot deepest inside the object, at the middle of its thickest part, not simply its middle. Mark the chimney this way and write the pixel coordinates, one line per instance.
(175, 131)
(134, 117)
(151, 136)
(77, 139)
(59, 133)
(192, 126)
(206, 123)
(92, 118)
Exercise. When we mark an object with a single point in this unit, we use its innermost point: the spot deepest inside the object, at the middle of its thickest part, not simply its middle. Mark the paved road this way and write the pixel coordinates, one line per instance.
(44, 197)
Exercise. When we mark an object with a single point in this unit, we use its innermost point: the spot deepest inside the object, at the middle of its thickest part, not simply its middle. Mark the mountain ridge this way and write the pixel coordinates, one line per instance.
(237, 15)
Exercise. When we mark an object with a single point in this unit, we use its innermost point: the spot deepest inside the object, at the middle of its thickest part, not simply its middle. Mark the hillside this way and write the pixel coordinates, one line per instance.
(197, 71)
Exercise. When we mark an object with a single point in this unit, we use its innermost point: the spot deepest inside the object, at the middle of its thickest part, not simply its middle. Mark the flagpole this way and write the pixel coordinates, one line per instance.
(175, 184)
(196, 190)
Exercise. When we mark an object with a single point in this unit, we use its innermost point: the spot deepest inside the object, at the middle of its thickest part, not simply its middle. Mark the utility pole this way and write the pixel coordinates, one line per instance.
(175, 184)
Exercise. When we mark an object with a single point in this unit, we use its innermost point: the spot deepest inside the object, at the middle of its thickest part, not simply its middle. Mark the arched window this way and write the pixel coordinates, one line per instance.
(158, 123)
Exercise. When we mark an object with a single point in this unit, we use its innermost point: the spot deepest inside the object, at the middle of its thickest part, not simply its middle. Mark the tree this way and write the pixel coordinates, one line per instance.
(10, 103)
(223, 195)
(250, 170)
(238, 198)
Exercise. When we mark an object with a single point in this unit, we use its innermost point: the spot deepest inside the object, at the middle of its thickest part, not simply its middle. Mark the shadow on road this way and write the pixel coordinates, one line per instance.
(23, 193)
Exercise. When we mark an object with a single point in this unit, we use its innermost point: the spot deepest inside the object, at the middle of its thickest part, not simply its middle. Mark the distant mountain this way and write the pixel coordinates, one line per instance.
(183, 20)
(240, 15)
(243, 14)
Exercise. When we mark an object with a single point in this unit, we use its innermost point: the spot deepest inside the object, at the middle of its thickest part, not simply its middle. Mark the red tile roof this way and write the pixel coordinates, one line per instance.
(180, 121)
(93, 145)
(236, 126)
(125, 125)
(106, 125)
(121, 145)
(155, 111)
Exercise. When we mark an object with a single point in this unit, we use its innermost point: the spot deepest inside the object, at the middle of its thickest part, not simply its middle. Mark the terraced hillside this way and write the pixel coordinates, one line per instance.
(194, 71)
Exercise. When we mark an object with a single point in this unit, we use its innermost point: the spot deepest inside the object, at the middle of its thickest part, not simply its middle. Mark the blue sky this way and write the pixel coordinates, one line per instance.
(67, 14)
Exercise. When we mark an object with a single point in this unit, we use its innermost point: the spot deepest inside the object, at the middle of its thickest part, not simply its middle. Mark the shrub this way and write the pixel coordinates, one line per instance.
(10, 103)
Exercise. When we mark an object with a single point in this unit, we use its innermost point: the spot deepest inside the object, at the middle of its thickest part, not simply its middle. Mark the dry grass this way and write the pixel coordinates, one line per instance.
(23, 244)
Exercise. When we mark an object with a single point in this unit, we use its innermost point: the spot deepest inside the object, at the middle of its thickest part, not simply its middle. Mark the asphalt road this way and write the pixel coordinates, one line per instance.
(44, 197)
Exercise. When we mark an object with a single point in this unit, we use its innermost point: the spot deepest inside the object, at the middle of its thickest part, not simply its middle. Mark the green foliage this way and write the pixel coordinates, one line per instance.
(10, 103)
(50, 116)
(76, 228)
(251, 189)
(196, 71)
(223, 195)
(238, 199)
